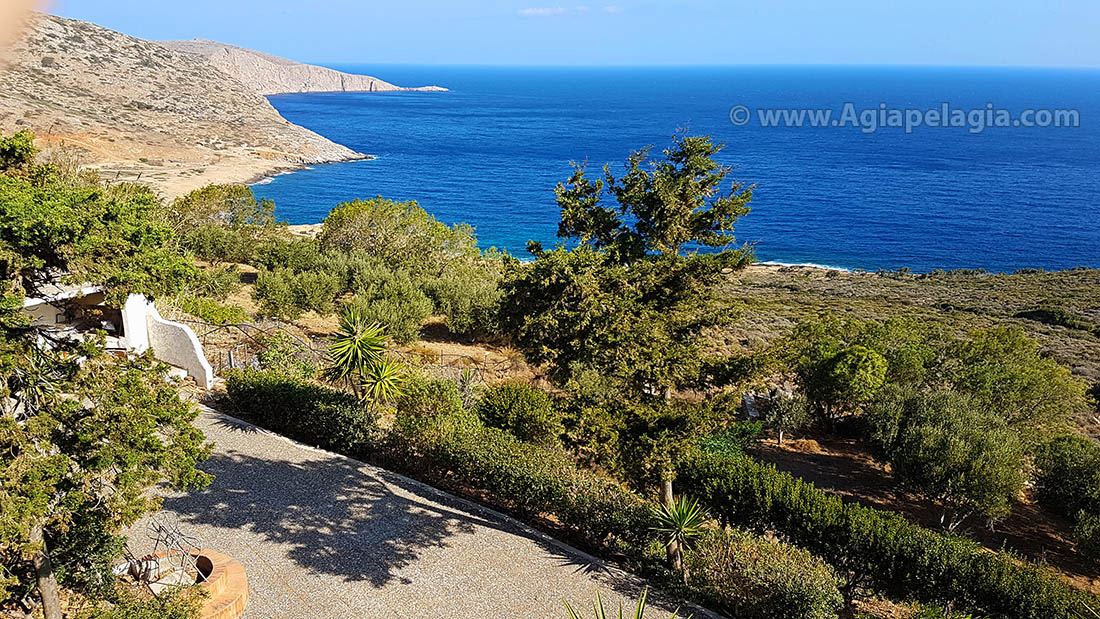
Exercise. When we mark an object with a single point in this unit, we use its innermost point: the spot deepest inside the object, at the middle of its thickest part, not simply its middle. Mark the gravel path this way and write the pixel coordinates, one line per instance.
(321, 535)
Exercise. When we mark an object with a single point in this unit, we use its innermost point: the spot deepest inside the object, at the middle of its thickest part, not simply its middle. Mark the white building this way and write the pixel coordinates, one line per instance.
(70, 311)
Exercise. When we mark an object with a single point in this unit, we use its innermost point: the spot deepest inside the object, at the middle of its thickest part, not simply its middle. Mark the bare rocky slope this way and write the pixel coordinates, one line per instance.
(272, 75)
(140, 111)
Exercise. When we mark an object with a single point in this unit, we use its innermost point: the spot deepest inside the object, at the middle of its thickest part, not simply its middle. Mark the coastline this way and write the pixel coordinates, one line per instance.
(257, 179)
(175, 178)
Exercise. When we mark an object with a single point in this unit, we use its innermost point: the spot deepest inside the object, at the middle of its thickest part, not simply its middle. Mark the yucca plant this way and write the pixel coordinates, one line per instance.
(601, 612)
(383, 380)
(356, 358)
(678, 523)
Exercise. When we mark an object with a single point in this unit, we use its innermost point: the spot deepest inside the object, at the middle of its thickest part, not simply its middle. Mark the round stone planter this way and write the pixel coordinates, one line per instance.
(225, 583)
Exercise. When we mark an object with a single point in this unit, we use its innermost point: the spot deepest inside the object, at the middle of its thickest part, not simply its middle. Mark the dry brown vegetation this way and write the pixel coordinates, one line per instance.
(772, 300)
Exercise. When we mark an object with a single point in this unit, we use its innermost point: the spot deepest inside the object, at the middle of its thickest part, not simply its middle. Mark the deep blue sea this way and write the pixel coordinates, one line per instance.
(490, 152)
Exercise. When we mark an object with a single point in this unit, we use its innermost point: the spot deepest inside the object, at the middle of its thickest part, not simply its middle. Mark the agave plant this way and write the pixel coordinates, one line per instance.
(678, 523)
(601, 612)
(356, 358)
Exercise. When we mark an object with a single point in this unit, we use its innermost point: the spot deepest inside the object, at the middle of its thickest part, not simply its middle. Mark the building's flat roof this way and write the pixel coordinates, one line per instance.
(52, 292)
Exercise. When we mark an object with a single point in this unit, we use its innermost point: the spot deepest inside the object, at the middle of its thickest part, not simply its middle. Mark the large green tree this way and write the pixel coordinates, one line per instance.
(661, 205)
(220, 223)
(79, 459)
(106, 235)
(633, 297)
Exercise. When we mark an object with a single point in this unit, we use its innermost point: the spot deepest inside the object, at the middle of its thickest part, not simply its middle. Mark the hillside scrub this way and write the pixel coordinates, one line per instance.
(392, 261)
(769, 301)
(878, 552)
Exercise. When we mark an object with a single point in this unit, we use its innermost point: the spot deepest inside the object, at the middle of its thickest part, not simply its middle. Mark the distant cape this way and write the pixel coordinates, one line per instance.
(271, 75)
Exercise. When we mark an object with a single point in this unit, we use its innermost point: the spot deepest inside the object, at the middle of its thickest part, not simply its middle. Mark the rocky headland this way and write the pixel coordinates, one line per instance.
(138, 110)
(272, 75)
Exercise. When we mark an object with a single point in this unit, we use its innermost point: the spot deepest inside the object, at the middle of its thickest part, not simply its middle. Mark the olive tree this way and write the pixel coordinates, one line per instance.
(949, 448)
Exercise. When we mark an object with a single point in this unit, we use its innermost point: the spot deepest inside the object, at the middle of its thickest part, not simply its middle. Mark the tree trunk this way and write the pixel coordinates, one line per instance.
(47, 581)
(673, 549)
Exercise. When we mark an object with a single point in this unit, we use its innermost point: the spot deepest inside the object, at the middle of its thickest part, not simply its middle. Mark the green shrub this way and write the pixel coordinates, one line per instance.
(399, 234)
(1068, 483)
(734, 439)
(218, 283)
(531, 478)
(282, 293)
(876, 551)
(213, 312)
(178, 604)
(296, 254)
(282, 354)
(787, 414)
(393, 301)
(592, 433)
(274, 292)
(1087, 534)
(468, 294)
(949, 448)
(755, 578)
(304, 411)
(17, 150)
(1068, 478)
(522, 409)
(1061, 318)
(216, 243)
(430, 396)
(316, 291)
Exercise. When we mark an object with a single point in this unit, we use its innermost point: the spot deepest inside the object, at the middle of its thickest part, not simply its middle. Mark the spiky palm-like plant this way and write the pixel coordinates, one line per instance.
(678, 523)
(36, 382)
(356, 358)
(382, 380)
(601, 612)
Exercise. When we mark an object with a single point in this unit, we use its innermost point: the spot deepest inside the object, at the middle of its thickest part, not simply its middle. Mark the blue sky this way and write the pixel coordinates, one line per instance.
(932, 32)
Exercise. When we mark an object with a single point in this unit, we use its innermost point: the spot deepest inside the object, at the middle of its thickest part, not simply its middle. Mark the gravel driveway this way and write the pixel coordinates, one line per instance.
(321, 536)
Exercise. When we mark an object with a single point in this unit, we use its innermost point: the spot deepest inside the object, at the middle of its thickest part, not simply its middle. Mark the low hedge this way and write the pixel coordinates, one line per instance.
(755, 578)
(875, 550)
(532, 478)
(304, 411)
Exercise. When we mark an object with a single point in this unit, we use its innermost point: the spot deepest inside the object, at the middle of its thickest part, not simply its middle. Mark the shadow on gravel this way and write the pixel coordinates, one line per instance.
(342, 518)
(336, 518)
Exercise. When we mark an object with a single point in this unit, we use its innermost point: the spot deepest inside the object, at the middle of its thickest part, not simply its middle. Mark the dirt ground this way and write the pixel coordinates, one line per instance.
(843, 467)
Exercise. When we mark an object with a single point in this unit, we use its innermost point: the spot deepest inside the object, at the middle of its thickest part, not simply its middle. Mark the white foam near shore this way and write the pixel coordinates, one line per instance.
(809, 265)
(267, 179)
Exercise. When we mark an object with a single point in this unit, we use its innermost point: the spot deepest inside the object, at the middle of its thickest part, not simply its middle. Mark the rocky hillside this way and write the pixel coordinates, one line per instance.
(138, 110)
(270, 75)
